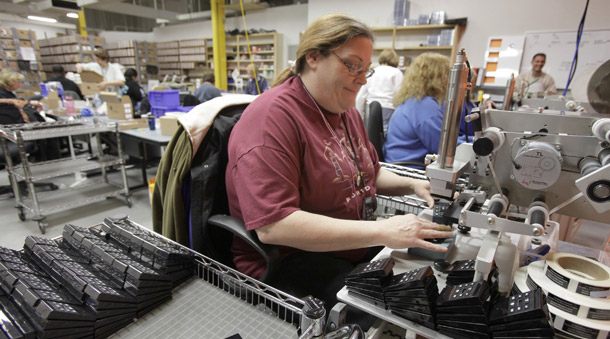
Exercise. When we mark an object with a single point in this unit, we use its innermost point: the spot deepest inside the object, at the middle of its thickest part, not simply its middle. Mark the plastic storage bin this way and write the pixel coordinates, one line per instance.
(160, 111)
(185, 109)
(167, 98)
(52, 87)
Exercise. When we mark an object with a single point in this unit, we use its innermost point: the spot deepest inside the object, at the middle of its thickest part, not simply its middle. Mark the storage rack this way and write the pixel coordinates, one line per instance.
(62, 199)
(12, 40)
(414, 40)
(68, 51)
(134, 54)
(267, 51)
(168, 58)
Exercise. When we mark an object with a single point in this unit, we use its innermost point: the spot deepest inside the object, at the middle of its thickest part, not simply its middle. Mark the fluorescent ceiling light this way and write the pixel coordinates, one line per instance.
(72, 15)
(41, 18)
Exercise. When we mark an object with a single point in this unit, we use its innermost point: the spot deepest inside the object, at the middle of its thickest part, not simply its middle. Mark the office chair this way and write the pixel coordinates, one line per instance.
(72, 95)
(202, 195)
(374, 128)
(188, 100)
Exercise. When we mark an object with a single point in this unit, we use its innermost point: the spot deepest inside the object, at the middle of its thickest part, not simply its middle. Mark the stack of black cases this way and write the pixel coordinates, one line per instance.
(461, 310)
(366, 281)
(524, 315)
(412, 294)
(90, 283)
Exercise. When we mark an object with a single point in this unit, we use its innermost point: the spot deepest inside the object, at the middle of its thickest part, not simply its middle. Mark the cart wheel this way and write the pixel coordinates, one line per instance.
(21, 213)
(42, 226)
(129, 202)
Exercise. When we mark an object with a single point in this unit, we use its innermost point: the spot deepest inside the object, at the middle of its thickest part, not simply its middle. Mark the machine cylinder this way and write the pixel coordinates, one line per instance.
(456, 92)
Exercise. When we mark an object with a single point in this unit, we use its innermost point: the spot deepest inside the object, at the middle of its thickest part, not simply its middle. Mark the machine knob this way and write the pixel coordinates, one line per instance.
(601, 191)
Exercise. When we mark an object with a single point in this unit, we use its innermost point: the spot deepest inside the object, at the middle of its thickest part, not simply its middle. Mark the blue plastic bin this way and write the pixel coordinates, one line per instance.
(167, 98)
(160, 111)
(45, 92)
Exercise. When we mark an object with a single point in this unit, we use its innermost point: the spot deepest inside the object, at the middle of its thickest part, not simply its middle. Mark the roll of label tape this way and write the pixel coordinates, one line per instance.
(563, 321)
(567, 301)
(577, 273)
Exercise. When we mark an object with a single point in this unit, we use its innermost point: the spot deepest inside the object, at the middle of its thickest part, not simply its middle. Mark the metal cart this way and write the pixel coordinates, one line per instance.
(42, 203)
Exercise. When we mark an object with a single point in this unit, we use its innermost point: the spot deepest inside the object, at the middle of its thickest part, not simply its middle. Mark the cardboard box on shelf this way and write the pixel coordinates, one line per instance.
(169, 123)
(25, 34)
(117, 108)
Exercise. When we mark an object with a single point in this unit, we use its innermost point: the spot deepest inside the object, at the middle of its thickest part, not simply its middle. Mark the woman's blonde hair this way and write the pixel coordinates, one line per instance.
(427, 76)
(8, 78)
(388, 57)
(324, 34)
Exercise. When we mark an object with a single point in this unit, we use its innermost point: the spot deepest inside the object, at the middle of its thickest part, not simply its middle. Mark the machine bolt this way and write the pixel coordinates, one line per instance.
(558, 147)
(523, 142)
(463, 222)
(537, 232)
(491, 221)
(512, 177)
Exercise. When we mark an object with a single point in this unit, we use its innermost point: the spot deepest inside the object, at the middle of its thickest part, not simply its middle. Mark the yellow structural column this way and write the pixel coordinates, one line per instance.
(82, 24)
(220, 51)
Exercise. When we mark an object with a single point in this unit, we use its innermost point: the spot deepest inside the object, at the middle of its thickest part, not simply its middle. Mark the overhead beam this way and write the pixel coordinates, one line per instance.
(16, 18)
(116, 6)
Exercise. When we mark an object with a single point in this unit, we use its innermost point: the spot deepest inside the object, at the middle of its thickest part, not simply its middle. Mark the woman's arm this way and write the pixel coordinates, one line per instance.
(318, 233)
(389, 183)
(104, 84)
(19, 103)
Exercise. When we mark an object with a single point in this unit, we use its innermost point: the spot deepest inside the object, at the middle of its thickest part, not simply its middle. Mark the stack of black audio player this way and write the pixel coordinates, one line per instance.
(366, 281)
(411, 295)
(524, 315)
(461, 310)
(89, 283)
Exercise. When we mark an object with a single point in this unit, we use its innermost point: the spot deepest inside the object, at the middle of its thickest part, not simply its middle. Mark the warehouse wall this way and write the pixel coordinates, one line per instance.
(485, 18)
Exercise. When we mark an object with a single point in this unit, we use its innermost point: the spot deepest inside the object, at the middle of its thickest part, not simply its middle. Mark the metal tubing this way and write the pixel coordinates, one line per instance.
(456, 92)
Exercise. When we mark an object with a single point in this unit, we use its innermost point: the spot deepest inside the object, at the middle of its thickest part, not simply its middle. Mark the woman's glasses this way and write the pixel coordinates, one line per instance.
(355, 70)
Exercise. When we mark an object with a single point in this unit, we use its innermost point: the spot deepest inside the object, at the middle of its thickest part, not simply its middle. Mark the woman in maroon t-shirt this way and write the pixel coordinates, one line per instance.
(303, 174)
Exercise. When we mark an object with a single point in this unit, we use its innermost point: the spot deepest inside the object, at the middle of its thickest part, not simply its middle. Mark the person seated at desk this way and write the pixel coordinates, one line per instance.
(253, 86)
(207, 90)
(415, 126)
(303, 175)
(112, 73)
(535, 80)
(59, 74)
(133, 90)
(15, 110)
(382, 86)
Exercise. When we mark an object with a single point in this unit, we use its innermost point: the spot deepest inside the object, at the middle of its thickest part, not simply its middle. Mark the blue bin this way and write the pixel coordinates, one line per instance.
(160, 111)
(167, 98)
(45, 92)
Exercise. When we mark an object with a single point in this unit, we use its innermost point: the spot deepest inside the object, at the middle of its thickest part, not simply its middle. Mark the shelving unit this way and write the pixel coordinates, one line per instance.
(192, 56)
(266, 52)
(17, 45)
(68, 51)
(168, 58)
(134, 54)
(40, 204)
(414, 40)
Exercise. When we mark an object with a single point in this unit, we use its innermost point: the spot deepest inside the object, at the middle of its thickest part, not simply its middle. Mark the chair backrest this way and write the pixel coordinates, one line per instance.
(72, 95)
(208, 192)
(374, 128)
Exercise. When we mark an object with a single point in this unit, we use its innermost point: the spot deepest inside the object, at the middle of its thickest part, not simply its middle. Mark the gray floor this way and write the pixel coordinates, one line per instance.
(14, 231)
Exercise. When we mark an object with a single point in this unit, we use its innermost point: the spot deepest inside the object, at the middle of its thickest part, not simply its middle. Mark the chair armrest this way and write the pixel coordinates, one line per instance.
(270, 253)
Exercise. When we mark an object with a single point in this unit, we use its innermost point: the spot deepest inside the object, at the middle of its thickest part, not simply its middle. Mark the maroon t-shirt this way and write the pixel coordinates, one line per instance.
(283, 157)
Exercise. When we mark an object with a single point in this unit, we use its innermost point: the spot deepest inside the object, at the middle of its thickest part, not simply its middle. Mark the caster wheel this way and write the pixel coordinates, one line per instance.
(129, 204)
(21, 214)
(42, 226)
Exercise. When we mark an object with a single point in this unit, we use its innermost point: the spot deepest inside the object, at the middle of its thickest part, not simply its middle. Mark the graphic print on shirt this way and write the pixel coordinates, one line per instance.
(333, 158)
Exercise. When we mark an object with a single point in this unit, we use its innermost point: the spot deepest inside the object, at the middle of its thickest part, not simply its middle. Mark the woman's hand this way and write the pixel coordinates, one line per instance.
(422, 189)
(19, 103)
(404, 231)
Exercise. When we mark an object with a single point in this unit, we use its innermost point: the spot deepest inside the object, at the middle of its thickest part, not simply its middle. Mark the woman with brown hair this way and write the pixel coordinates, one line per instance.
(303, 175)
(112, 73)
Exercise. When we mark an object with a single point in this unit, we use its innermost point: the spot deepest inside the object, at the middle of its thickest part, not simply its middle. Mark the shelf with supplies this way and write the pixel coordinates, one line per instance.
(178, 57)
(266, 51)
(137, 55)
(20, 51)
(410, 41)
(68, 51)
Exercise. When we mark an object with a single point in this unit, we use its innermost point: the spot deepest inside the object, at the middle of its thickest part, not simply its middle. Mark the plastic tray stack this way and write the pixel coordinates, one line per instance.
(366, 280)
